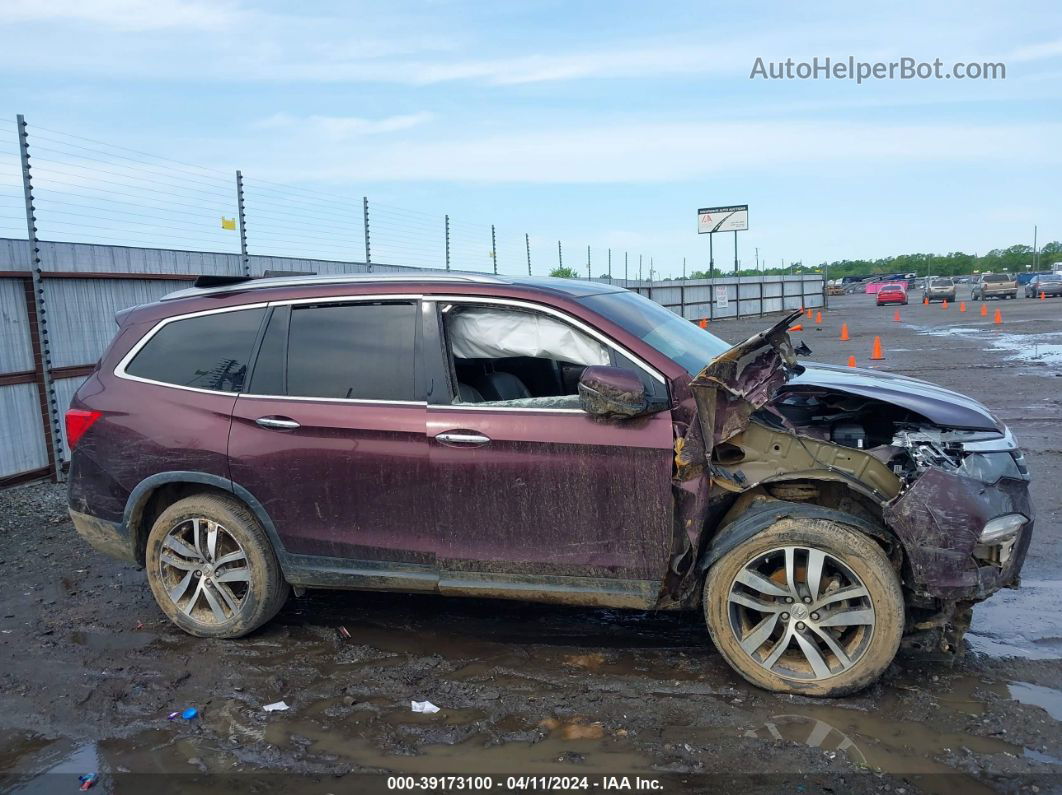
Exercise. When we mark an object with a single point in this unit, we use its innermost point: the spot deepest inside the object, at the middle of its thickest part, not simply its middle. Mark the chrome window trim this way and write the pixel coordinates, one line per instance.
(119, 370)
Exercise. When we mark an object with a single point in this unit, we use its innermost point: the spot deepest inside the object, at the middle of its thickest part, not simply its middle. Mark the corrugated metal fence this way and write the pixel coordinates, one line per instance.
(84, 285)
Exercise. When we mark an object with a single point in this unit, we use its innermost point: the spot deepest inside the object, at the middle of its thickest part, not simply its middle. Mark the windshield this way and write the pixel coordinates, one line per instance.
(679, 340)
(942, 282)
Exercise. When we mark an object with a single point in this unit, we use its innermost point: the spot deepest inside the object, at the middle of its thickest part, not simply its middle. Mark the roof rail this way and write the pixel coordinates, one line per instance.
(231, 284)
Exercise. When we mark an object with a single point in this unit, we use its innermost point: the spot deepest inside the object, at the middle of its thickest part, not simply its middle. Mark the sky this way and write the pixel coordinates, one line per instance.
(591, 123)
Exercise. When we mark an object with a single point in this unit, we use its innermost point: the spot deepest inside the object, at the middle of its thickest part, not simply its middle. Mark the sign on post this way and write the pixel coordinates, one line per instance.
(723, 219)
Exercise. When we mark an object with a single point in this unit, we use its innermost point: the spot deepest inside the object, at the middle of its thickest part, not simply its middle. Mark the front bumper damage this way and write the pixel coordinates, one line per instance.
(954, 536)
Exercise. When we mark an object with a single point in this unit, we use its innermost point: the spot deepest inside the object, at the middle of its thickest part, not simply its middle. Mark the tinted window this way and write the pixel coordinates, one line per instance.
(352, 351)
(995, 277)
(269, 367)
(207, 352)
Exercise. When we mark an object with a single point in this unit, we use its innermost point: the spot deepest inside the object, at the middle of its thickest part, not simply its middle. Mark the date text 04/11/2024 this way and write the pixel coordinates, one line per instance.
(523, 783)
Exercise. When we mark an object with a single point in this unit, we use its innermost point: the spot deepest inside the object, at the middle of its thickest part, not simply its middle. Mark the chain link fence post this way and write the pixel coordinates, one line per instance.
(51, 418)
(527, 244)
(245, 261)
(447, 217)
(494, 249)
(365, 219)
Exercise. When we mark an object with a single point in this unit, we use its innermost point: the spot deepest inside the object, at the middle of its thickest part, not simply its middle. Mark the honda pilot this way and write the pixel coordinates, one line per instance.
(540, 439)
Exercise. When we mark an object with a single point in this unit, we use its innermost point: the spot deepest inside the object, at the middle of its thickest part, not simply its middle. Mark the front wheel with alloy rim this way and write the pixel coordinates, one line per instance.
(212, 569)
(807, 606)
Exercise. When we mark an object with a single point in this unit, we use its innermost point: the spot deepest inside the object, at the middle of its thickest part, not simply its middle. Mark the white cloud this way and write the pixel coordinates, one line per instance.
(123, 14)
(1037, 52)
(652, 153)
(339, 128)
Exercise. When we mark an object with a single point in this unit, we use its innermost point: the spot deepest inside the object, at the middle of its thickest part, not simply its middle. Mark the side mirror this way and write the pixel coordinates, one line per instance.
(612, 392)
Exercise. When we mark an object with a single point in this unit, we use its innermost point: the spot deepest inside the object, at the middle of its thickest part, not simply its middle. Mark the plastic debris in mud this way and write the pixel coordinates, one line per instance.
(344, 632)
(88, 780)
(189, 714)
(278, 706)
(423, 706)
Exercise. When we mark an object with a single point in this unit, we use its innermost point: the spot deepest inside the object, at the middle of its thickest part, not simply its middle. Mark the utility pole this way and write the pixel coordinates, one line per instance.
(560, 255)
(757, 257)
(527, 244)
(684, 268)
(625, 280)
(610, 265)
(588, 274)
(1036, 252)
(639, 267)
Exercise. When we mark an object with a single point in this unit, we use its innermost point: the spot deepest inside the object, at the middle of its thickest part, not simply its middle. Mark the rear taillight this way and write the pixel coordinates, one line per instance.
(77, 422)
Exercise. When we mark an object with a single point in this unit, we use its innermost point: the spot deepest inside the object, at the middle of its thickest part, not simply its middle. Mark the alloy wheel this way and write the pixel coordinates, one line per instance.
(801, 613)
(204, 571)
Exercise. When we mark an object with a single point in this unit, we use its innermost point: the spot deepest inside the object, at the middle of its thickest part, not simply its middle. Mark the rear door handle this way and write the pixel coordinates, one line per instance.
(462, 439)
(277, 423)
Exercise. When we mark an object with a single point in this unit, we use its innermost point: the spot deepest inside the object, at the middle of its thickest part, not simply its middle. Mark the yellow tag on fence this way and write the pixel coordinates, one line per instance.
(228, 223)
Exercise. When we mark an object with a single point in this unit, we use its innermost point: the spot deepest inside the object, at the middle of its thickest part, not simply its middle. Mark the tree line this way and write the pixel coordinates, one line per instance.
(1014, 259)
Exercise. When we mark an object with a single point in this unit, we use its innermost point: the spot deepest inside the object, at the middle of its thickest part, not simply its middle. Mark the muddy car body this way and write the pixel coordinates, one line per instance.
(547, 440)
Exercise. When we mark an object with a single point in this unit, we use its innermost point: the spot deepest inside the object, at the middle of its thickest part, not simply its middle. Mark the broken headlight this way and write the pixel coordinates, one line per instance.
(990, 467)
(984, 457)
(997, 539)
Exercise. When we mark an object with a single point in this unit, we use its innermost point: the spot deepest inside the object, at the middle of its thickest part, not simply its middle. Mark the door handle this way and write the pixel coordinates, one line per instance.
(462, 438)
(277, 423)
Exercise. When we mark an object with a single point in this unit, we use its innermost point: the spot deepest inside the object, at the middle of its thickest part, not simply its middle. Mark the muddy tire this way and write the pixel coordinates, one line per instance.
(212, 569)
(807, 606)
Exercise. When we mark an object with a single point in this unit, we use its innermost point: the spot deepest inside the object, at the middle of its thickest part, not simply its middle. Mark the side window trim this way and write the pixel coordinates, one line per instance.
(286, 305)
(120, 368)
(446, 359)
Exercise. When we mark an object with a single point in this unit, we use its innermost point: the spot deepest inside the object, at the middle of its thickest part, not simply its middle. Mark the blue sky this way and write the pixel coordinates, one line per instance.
(595, 123)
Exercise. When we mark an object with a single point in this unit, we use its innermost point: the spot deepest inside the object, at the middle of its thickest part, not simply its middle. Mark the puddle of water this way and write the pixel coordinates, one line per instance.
(1025, 623)
(1047, 698)
(1045, 348)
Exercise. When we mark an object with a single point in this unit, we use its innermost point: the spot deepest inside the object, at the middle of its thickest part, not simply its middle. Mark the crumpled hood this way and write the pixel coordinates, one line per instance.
(938, 405)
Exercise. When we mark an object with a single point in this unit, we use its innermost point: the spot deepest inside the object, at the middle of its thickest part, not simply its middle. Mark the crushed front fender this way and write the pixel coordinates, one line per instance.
(939, 520)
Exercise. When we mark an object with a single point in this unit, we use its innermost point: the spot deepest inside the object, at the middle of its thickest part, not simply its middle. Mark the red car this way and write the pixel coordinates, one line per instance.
(892, 294)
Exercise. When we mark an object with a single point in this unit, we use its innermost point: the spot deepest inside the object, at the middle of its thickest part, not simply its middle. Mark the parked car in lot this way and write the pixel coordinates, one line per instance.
(994, 285)
(540, 439)
(940, 288)
(1050, 284)
(892, 294)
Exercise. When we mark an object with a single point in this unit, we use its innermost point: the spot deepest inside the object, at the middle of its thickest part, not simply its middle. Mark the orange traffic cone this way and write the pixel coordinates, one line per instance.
(877, 355)
(844, 332)
(962, 306)
(984, 310)
(998, 319)
(851, 361)
(797, 327)
(1043, 297)
(818, 318)
(896, 316)
(945, 304)
(703, 323)
(809, 314)
(925, 300)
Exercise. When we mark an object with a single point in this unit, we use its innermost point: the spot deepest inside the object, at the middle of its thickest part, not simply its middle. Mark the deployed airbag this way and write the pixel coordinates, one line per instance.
(480, 333)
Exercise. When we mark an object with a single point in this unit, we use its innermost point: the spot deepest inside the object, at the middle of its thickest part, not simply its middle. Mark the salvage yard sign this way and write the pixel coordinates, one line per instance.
(723, 219)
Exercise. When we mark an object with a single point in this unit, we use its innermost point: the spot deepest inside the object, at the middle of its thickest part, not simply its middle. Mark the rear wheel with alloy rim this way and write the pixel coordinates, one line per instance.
(212, 569)
(806, 606)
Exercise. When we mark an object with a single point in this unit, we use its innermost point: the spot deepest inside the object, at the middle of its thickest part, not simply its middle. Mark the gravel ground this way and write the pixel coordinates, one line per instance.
(89, 670)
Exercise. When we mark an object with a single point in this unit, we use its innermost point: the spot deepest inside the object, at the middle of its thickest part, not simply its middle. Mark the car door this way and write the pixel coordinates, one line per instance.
(329, 435)
(545, 502)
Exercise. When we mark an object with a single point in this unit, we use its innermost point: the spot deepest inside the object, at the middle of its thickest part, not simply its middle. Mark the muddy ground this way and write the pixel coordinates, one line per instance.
(89, 670)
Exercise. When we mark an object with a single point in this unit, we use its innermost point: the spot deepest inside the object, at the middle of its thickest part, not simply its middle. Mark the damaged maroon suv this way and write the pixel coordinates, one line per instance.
(547, 440)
